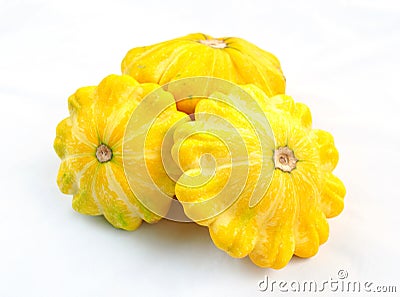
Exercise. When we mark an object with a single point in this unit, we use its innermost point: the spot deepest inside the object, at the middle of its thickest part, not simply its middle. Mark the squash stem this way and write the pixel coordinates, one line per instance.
(214, 43)
(284, 159)
(103, 153)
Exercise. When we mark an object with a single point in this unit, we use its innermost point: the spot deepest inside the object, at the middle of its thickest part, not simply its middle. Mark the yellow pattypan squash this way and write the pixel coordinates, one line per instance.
(89, 143)
(230, 58)
(299, 188)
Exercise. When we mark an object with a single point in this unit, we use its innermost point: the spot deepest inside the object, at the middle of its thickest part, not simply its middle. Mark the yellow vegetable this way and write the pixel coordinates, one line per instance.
(89, 143)
(229, 58)
(290, 216)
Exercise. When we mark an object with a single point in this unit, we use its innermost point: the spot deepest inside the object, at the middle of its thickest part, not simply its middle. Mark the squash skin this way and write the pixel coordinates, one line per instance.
(99, 115)
(291, 217)
(240, 62)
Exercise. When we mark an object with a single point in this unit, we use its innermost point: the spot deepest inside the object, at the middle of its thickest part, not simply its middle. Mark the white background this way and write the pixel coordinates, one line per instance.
(339, 57)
